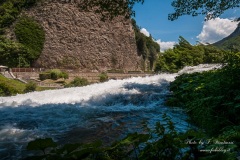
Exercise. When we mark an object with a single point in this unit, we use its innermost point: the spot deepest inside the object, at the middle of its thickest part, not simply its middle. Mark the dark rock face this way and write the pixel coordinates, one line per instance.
(80, 40)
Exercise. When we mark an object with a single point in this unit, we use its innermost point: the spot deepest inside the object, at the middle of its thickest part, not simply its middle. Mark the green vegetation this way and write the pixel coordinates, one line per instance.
(10, 87)
(31, 35)
(77, 82)
(10, 9)
(162, 143)
(7, 90)
(30, 87)
(11, 53)
(146, 46)
(103, 77)
(211, 9)
(44, 75)
(211, 99)
(53, 74)
(184, 54)
(229, 43)
(28, 32)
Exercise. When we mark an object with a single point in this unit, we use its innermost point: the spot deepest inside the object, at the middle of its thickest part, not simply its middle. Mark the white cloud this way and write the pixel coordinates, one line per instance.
(165, 45)
(145, 32)
(216, 29)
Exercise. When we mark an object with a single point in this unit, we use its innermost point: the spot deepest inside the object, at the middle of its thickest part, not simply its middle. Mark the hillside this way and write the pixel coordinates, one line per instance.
(231, 42)
(72, 39)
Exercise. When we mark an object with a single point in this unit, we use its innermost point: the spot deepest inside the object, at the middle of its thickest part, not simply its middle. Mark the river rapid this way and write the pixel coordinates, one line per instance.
(105, 111)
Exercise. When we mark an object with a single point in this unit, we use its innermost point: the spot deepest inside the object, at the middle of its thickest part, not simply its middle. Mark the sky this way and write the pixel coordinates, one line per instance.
(152, 18)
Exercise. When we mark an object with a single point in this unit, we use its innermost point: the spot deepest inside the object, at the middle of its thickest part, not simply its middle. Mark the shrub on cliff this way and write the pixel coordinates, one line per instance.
(30, 34)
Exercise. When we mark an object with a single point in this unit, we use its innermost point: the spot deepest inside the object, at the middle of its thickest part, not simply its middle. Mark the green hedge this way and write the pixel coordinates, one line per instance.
(53, 74)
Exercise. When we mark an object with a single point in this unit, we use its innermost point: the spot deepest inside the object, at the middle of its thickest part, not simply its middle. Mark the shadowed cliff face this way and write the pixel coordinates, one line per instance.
(80, 40)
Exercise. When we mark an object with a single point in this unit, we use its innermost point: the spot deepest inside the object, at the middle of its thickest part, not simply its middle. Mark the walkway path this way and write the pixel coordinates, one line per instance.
(7, 75)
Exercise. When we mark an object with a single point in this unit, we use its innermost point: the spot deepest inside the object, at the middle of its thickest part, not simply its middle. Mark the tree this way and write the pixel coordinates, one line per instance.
(113, 8)
(210, 8)
(110, 8)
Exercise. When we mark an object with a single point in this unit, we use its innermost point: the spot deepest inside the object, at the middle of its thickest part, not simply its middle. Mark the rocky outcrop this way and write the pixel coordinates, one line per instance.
(80, 40)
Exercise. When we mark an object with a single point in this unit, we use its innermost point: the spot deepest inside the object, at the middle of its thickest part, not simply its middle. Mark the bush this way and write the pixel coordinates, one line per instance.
(64, 75)
(43, 76)
(53, 74)
(6, 90)
(210, 98)
(103, 77)
(30, 87)
(77, 82)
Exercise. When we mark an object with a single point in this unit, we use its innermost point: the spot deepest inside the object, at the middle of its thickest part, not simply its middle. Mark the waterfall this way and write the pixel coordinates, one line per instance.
(98, 111)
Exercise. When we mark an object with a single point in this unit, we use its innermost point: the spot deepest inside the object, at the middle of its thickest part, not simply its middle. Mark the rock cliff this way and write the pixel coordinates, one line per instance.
(80, 40)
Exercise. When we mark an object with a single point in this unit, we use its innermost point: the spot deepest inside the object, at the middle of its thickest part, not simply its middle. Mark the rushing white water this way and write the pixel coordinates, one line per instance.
(99, 111)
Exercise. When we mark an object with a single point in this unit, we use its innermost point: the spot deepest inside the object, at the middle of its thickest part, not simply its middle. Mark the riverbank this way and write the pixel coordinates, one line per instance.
(211, 100)
(18, 78)
(92, 77)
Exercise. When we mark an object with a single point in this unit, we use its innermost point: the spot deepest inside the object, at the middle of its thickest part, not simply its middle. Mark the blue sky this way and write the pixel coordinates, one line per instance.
(152, 17)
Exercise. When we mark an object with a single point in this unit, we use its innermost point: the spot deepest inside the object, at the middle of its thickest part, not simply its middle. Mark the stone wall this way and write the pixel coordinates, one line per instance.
(80, 40)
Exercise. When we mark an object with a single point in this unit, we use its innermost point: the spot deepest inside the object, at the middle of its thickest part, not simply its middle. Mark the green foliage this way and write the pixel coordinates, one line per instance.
(77, 82)
(10, 87)
(64, 75)
(10, 9)
(44, 75)
(211, 96)
(110, 9)
(30, 34)
(53, 74)
(41, 144)
(103, 77)
(146, 46)
(210, 8)
(30, 87)
(184, 54)
(11, 53)
(162, 143)
(7, 90)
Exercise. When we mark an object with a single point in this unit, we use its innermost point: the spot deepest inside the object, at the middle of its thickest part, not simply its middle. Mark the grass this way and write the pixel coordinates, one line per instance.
(19, 86)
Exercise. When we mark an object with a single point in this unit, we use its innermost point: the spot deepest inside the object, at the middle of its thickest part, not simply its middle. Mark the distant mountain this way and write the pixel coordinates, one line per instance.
(231, 42)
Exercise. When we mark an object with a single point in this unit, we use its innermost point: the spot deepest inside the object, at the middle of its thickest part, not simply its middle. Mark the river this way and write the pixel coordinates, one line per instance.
(103, 111)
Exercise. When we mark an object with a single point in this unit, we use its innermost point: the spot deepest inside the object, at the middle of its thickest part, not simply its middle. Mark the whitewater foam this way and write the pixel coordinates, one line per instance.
(100, 108)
